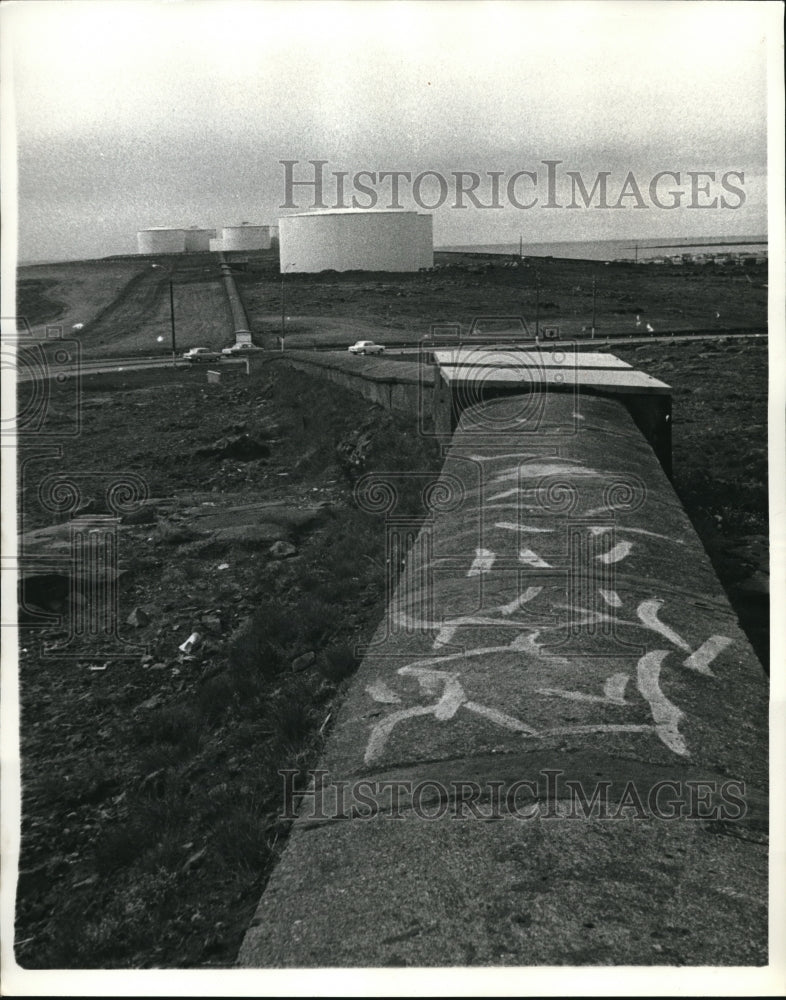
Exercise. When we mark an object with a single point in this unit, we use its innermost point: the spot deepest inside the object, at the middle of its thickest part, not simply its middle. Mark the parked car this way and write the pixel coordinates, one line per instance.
(366, 347)
(236, 349)
(198, 354)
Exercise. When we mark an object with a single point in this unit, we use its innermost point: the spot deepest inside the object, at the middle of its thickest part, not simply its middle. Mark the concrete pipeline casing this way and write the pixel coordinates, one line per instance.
(557, 632)
(240, 326)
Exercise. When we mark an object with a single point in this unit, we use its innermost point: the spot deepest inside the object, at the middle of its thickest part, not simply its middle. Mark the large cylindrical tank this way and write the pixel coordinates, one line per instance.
(198, 239)
(356, 240)
(161, 239)
(246, 237)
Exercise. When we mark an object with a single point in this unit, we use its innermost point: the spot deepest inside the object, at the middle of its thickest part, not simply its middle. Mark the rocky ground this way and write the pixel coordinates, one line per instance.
(720, 452)
(463, 289)
(150, 786)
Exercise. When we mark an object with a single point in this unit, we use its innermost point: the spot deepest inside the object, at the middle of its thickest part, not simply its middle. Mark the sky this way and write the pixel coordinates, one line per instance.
(136, 114)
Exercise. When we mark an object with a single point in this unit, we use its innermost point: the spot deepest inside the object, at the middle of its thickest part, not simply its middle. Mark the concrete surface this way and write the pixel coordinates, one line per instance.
(538, 357)
(604, 380)
(556, 621)
(469, 377)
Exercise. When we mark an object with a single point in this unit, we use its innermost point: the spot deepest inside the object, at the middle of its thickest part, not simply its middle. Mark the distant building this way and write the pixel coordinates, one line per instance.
(356, 240)
(245, 237)
(161, 239)
(198, 239)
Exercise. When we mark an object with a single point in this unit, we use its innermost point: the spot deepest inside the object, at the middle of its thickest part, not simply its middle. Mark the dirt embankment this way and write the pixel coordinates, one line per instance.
(124, 306)
(72, 292)
(150, 786)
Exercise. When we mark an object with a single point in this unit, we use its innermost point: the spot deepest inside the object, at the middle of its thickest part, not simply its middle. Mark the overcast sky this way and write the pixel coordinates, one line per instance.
(130, 115)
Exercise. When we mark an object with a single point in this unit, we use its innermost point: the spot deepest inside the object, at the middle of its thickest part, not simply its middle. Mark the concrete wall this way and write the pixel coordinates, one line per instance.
(556, 623)
(347, 241)
(391, 384)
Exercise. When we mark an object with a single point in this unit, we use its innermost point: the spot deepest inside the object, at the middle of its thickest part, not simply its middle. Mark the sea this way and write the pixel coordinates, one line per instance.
(629, 249)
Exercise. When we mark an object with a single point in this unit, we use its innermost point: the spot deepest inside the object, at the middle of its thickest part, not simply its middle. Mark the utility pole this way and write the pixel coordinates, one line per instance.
(172, 317)
(283, 312)
(537, 307)
(284, 304)
(593, 308)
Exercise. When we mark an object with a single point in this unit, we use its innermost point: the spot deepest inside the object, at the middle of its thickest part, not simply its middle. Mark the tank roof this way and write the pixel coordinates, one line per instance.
(353, 211)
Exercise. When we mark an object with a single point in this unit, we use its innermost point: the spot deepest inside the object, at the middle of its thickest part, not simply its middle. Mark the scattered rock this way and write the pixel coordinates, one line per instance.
(249, 534)
(191, 643)
(150, 779)
(138, 618)
(194, 860)
(212, 623)
(145, 513)
(304, 661)
(282, 550)
(354, 449)
(243, 447)
(175, 533)
(151, 703)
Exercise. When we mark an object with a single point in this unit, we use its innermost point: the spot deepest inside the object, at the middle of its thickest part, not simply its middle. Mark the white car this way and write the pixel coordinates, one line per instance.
(366, 347)
(197, 354)
(236, 349)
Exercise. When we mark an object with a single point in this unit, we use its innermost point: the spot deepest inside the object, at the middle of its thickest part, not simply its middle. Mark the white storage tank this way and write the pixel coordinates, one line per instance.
(356, 240)
(245, 237)
(198, 239)
(161, 239)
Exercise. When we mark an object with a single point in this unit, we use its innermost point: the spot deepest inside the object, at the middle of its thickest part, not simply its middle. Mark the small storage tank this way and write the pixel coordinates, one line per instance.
(356, 240)
(161, 239)
(246, 237)
(198, 239)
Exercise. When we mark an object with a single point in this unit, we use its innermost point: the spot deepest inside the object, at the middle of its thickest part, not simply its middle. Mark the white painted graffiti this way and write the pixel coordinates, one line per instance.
(447, 688)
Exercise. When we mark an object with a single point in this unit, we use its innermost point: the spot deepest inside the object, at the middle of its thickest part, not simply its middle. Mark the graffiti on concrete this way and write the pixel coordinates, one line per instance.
(447, 691)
